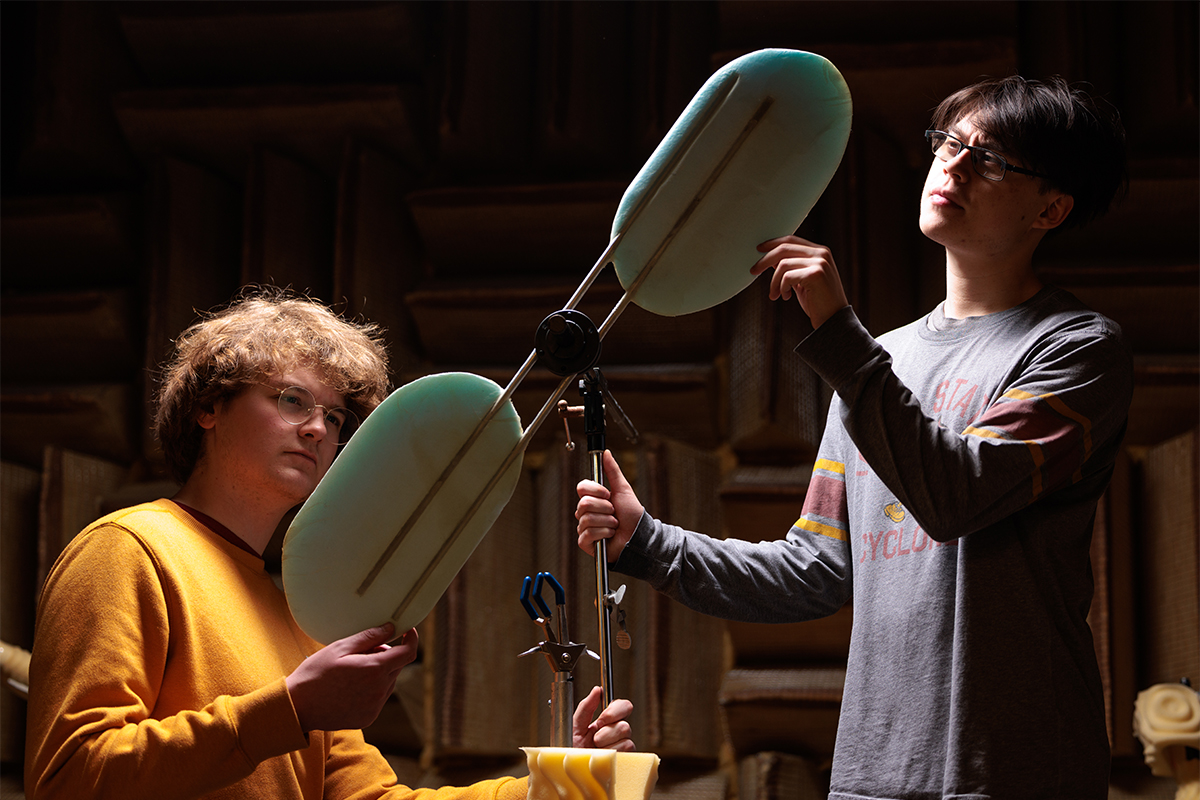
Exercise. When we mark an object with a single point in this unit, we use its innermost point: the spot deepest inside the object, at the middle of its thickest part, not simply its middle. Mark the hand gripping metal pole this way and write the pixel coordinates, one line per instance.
(593, 423)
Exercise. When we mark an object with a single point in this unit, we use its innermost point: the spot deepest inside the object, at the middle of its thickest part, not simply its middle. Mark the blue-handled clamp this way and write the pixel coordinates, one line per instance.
(560, 597)
(561, 652)
(532, 587)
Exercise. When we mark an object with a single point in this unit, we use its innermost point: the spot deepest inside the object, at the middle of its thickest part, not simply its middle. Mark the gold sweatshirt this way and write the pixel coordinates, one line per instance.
(158, 671)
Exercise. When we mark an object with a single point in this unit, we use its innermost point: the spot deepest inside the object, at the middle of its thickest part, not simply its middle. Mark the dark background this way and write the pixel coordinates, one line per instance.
(450, 170)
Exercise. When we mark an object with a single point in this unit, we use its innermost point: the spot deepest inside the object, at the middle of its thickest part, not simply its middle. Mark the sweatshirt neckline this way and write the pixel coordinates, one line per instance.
(936, 326)
(209, 526)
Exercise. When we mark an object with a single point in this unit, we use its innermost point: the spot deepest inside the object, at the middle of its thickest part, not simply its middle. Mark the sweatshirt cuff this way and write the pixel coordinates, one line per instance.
(634, 560)
(838, 349)
(266, 723)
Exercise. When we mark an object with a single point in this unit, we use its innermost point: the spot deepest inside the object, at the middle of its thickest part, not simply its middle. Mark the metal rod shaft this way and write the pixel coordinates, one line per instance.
(562, 710)
(603, 617)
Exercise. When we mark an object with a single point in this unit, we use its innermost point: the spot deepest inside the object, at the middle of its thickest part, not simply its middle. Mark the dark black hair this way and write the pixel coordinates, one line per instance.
(1057, 130)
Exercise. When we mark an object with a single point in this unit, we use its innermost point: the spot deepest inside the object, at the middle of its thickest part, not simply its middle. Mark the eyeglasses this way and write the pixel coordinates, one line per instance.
(297, 404)
(988, 164)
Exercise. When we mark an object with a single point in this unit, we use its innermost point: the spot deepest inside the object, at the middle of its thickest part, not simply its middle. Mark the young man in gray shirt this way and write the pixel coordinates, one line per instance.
(955, 487)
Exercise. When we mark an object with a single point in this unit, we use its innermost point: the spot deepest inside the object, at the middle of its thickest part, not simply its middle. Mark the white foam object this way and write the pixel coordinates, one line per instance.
(746, 162)
(567, 773)
(372, 489)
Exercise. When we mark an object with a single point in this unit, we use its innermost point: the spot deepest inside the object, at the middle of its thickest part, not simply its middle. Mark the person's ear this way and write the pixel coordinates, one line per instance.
(1055, 212)
(206, 417)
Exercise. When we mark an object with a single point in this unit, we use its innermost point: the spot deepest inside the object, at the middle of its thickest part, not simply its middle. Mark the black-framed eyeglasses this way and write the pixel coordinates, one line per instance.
(988, 163)
(297, 404)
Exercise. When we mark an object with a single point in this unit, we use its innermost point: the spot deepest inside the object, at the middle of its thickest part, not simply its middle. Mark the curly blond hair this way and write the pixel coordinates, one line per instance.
(264, 332)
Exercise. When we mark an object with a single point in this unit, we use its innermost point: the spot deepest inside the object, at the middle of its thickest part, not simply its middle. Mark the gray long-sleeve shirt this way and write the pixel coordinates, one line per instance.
(953, 498)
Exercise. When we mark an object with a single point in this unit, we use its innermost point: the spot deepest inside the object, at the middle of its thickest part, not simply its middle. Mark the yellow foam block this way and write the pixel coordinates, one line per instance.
(567, 773)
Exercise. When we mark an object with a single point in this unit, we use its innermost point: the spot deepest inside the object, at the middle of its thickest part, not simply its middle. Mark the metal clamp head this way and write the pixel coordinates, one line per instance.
(568, 343)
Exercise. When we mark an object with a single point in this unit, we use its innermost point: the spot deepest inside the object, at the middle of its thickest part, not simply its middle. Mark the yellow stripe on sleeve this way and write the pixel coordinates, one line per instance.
(821, 528)
(830, 466)
(1055, 402)
(971, 430)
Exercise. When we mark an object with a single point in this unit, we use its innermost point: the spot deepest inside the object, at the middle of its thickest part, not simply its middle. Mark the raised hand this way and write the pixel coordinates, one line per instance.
(345, 684)
(806, 270)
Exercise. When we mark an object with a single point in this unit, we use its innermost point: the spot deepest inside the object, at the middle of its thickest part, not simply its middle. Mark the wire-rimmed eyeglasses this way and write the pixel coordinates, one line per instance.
(297, 404)
(988, 163)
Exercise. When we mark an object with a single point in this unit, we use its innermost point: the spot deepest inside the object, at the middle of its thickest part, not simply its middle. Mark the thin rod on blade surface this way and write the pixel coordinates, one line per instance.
(627, 298)
(668, 169)
(481, 497)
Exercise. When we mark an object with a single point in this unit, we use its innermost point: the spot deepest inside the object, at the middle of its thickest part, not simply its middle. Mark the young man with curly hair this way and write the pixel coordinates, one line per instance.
(166, 662)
